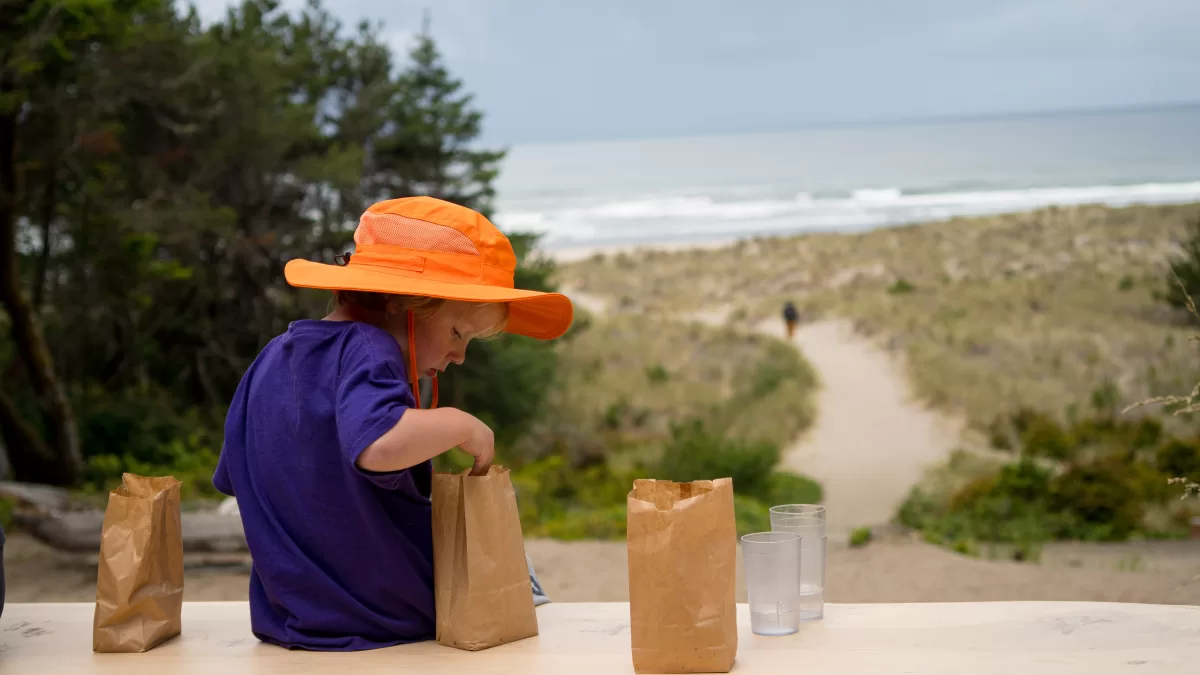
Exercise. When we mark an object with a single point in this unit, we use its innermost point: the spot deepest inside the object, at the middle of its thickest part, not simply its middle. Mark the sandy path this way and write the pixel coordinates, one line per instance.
(871, 440)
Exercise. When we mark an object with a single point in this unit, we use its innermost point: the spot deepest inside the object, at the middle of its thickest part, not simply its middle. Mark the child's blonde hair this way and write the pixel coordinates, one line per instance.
(422, 307)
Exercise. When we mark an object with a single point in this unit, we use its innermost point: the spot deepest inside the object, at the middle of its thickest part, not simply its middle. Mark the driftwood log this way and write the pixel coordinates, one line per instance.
(42, 511)
(44, 498)
(79, 531)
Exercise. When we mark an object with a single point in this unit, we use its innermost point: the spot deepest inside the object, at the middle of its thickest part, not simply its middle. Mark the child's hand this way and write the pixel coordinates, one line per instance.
(421, 435)
(481, 445)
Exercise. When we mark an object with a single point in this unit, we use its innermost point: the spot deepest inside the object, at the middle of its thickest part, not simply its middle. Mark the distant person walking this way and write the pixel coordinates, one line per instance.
(790, 318)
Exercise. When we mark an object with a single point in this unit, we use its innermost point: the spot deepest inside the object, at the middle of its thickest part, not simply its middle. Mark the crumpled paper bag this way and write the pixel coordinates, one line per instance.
(139, 588)
(482, 593)
(682, 542)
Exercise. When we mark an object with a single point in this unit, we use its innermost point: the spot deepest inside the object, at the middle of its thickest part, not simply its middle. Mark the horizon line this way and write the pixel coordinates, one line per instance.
(886, 121)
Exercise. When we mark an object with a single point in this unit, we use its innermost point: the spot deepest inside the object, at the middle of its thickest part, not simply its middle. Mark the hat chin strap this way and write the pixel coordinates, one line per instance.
(413, 376)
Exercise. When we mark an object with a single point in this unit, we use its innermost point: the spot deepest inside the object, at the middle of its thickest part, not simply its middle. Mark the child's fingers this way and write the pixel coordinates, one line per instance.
(480, 468)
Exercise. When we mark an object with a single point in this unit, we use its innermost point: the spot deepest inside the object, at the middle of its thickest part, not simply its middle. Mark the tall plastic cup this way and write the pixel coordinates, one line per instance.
(808, 521)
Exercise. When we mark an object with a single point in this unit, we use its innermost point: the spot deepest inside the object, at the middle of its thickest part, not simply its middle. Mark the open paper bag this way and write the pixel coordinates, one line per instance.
(481, 581)
(682, 541)
(139, 587)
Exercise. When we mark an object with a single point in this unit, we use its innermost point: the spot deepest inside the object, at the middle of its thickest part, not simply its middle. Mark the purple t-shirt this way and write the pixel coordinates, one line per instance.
(343, 558)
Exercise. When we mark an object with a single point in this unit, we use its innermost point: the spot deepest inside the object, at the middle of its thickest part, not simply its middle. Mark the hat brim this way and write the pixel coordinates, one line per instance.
(544, 316)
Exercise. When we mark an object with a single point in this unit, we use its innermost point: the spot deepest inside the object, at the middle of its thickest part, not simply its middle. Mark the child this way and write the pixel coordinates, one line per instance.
(327, 448)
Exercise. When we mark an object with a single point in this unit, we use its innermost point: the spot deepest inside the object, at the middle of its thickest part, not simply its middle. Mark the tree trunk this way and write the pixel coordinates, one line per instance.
(66, 466)
(49, 209)
(28, 457)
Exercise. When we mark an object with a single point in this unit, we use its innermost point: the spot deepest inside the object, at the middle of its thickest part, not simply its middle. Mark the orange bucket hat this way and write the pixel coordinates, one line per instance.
(428, 247)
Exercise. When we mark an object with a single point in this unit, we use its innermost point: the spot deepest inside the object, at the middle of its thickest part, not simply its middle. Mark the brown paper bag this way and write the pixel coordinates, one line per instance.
(682, 541)
(482, 591)
(139, 589)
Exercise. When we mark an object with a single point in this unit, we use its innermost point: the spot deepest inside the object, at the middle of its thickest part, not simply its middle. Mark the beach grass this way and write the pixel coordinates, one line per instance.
(626, 379)
(641, 396)
(1050, 309)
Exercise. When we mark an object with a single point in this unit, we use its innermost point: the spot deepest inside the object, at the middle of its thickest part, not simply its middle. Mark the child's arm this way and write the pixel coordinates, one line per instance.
(423, 434)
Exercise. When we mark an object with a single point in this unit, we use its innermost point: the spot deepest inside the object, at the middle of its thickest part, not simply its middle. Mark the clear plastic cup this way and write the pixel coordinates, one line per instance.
(808, 521)
(772, 565)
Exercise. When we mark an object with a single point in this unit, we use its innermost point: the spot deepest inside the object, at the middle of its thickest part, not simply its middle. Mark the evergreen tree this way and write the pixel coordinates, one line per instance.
(155, 176)
(430, 149)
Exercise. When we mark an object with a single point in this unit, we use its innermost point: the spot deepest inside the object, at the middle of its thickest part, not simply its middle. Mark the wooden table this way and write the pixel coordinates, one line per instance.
(1021, 638)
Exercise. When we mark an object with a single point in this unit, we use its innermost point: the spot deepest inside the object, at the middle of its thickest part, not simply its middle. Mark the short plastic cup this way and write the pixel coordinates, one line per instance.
(808, 521)
(772, 565)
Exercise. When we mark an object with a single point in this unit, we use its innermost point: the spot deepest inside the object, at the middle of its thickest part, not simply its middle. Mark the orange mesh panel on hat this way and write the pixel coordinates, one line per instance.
(388, 229)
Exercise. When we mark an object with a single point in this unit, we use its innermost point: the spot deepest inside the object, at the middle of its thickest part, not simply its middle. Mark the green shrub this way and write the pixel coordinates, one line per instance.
(599, 523)
(557, 499)
(779, 364)
(1179, 459)
(1008, 506)
(1126, 283)
(1008, 432)
(695, 453)
(751, 515)
(765, 379)
(1151, 485)
(860, 537)
(784, 487)
(1108, 433)
(143, 431)
(656, 374)
(1096, 480)
(1043, 437)
(1023, 482)
(901, 287)
(188, 460)
(919, 510)
(968, 547)
(1099, 502)
(1003, 507)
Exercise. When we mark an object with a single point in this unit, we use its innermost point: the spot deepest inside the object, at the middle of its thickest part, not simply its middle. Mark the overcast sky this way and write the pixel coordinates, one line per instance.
(550, 70)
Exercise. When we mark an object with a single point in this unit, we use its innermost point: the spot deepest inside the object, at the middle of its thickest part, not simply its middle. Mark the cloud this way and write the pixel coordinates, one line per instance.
(544, 69)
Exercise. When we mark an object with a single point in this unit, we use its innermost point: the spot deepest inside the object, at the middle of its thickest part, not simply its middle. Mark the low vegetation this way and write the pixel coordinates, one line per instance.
(1095, 478)
(629, 378)
(860, 536)
(640, 397)
(991, 313)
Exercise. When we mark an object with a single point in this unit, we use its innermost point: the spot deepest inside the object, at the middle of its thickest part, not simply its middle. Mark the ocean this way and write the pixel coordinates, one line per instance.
(718, 188)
